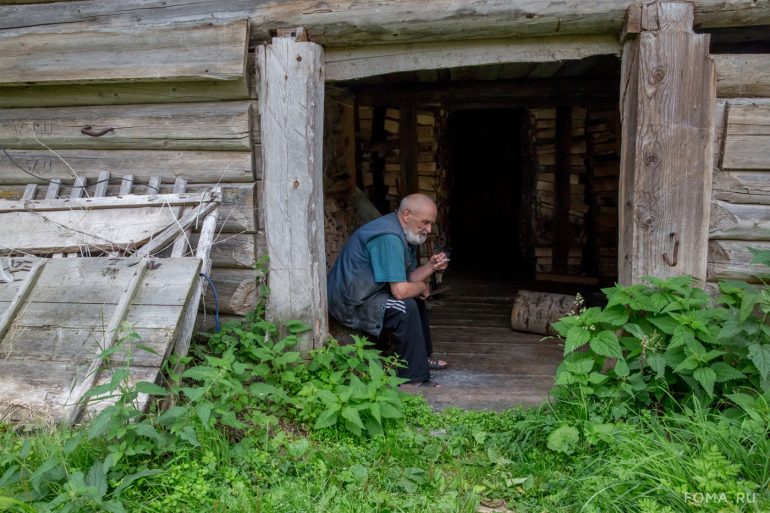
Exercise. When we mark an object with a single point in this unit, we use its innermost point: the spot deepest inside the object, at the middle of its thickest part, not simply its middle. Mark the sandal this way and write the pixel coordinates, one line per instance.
(437, 364)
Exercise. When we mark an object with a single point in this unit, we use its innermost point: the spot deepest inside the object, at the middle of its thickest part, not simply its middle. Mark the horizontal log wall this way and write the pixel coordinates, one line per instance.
(740, 214)
(173, 101)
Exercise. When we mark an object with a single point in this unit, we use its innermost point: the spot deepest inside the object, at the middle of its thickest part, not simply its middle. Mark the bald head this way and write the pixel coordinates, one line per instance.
(416, 203)
(416, 213)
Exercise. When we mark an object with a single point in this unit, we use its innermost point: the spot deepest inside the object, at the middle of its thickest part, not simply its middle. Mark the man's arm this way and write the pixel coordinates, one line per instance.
(407, 289)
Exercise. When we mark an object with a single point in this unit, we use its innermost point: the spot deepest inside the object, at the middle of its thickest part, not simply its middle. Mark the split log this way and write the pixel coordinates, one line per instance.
(184, 126)
(534, 312)
(238, 251)
(739, 222)
(143, 53)
(731, 260)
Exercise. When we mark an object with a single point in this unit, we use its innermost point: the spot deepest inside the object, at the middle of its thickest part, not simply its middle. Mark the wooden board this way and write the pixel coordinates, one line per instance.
(204, 51)
(236, 288)
(730, 260)
(194, 166)
(60, 329)
(218, 126)
(122, 93)
(666, 156)
(369, 60)
(742, 187)
(739, 221)
(747, 137)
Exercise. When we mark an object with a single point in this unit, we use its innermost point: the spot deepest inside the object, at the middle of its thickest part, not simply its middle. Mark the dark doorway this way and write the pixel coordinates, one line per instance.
(485, 196)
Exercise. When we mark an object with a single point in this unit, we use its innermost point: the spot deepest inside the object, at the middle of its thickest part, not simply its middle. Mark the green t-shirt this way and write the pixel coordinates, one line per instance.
(386, 253)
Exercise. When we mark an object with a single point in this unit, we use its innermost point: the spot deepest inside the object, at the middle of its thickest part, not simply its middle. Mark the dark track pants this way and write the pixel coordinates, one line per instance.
(407, 320)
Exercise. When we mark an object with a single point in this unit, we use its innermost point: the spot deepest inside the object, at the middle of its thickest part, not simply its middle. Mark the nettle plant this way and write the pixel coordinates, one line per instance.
(666, 341)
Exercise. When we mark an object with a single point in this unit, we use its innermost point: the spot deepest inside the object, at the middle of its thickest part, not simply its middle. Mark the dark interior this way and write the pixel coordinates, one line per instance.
(486, 179)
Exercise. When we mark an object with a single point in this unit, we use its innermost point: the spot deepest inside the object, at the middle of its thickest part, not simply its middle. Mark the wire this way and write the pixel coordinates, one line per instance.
(216, 301)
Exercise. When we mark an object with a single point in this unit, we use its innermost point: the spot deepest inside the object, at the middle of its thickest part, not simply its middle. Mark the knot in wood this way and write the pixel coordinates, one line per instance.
(658, 74)
(295, 184)
(299, 58)
(651, 158)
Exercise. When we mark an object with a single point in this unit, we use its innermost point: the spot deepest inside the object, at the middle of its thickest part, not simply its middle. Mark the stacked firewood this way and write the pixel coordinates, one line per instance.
(545, 150)
(604, 163)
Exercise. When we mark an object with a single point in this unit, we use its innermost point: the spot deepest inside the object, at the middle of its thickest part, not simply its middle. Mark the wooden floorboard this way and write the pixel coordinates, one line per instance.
(491, 367)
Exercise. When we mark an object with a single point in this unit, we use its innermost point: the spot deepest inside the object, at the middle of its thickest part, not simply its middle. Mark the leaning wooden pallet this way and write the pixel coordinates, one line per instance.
(60, 316)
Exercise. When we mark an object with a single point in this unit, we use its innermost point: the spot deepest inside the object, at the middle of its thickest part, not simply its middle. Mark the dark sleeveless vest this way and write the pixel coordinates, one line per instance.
(355, 299)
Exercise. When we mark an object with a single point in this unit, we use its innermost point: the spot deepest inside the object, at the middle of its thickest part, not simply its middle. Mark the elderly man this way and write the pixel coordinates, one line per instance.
(375, 283)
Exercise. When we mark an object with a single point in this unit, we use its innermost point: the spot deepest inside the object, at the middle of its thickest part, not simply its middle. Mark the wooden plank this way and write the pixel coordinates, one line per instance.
(291, 111)
(163, 239)
(108, 340)
(369, 60)
(408, 149)
(742, 187)
(12, 309)
(219, 126)
(102, 203)
(743, 75)
(78, 345)
(102, 183)
(203, 253)
(78, 187)
(194, 166)
(731, 260)
(183, 238)
(75, 230)
(747, 137)
(666, 178)
(141, 53)
(739, 221)
(123, 93)
(238, 211)
(373, 21)
(46, 388)
(126, 184)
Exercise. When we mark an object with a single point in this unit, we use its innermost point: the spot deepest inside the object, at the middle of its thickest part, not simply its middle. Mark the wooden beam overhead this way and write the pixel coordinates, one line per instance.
(529, 93)
(365, 22)
(364, 61)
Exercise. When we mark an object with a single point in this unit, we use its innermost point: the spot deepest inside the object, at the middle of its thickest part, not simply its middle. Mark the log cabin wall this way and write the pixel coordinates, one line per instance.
(740, 214)
(176, 100)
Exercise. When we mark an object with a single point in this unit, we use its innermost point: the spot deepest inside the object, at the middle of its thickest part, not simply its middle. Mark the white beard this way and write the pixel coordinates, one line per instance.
(415, 239)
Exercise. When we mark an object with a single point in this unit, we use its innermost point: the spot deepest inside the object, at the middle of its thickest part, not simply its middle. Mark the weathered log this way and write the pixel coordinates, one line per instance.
(184, 126)
(534, 312)
(339, 23)
(742, 187)
(747, 137)
(739, 222)
(124, 93)
(720, 121)
(742, 75)
(236, 290)
(731, 260)
(149, 53)
(240, 250)
(291, 100)
(194, 166)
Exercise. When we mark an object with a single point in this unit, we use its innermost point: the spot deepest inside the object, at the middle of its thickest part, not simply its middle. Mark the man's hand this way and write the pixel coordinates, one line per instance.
(439, 262)
(425, 293)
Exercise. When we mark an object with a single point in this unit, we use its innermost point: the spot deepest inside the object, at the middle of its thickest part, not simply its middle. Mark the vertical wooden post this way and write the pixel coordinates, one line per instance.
(562, 239)
(291, 109)
(408, 149)
(667, 102)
